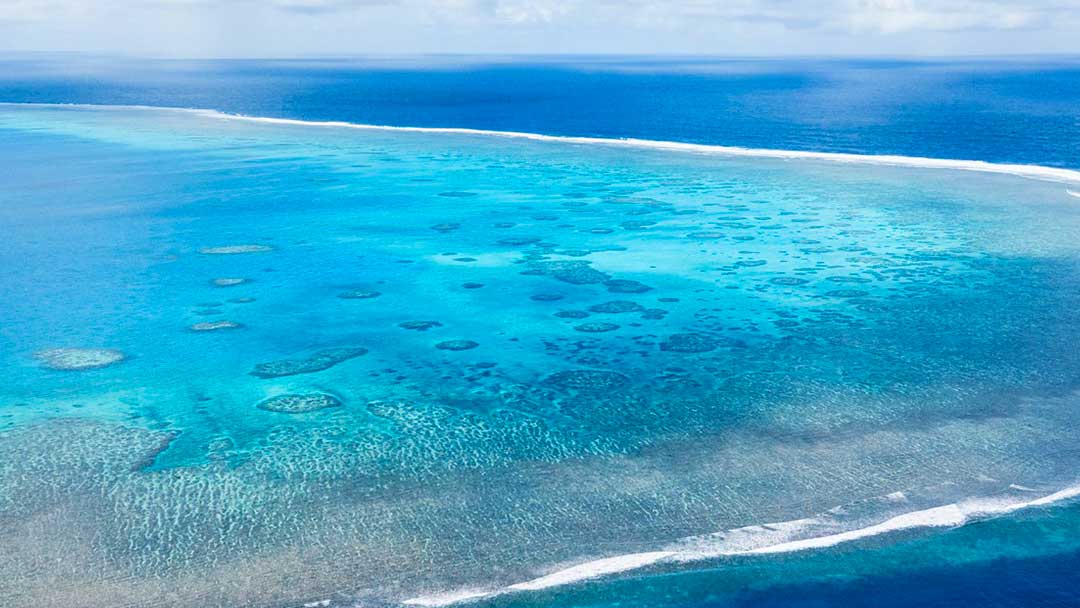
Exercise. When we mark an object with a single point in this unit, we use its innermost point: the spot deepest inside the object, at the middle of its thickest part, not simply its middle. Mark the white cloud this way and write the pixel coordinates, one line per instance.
(892, 16)
(878, 16)
(714, 26)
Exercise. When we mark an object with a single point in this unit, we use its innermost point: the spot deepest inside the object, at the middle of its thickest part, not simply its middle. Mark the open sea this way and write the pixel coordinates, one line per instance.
(585, 332)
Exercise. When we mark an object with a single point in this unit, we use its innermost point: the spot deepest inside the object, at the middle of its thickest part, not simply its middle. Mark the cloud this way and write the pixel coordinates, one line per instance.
(878, 16)
(855, 16)
(314, 7)
(893, 16)
(715, 26)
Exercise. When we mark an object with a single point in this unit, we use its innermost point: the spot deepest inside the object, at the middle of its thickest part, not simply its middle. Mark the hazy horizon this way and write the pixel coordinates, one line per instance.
(753, 28)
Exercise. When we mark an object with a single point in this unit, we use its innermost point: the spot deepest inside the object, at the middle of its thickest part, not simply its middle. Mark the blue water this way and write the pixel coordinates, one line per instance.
(1009, 110)
(537, 372)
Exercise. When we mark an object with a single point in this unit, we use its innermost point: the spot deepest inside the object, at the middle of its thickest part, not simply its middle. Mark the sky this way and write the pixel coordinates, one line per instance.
(299, 28)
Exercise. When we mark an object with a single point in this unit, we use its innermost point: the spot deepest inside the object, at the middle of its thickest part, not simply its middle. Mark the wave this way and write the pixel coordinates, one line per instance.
(1072, 193)
(766, 539)
(1038, 172)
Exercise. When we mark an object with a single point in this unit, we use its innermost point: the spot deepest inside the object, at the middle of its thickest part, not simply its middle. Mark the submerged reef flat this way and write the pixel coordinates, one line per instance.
(317, 362)
(79, 358)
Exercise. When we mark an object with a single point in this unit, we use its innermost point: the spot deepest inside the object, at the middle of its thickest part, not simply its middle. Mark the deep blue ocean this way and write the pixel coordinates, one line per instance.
(260, 351)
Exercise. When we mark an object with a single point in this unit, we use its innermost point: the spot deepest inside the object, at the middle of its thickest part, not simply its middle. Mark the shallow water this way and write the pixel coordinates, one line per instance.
(510, 357)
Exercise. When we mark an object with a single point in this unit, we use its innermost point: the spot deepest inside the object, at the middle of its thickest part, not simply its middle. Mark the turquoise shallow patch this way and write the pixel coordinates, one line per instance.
(505, 357)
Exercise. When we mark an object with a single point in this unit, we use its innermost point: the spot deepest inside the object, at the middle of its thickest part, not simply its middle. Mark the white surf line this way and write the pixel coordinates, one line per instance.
(447, 599)
(1037, 172)
(939, 517)
(1072, 193)
(593, 569)
(1028, 171)
(946, 516)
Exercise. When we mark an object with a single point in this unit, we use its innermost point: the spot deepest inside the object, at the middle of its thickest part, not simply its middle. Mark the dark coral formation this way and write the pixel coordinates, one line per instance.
(626, 286)
(572, 314)
(299, 403)
(79, 358)
(788, 281)
(595, 380)
(359, 294)
(324, 359)
(596, 328)
(457, 345)
(689, 343)
(419, 325)
(518, 241)
(617, 307)
(575, 272)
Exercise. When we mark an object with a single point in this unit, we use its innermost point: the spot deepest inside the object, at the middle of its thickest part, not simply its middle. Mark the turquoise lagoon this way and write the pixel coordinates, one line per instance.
(368, 367)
